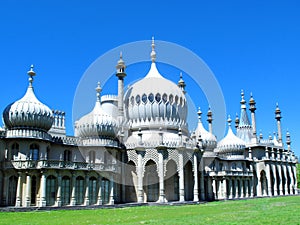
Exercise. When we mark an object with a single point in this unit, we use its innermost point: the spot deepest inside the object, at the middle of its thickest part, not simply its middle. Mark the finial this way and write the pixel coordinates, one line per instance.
(229, 121)
(181, 83)
(153, 53)
(98, 90)
(277, 112)
(31, 74)
(199, 114)
(243, 99)
(260, 135)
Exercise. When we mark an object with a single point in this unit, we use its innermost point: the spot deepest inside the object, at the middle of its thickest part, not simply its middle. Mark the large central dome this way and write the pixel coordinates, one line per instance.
(155, 102)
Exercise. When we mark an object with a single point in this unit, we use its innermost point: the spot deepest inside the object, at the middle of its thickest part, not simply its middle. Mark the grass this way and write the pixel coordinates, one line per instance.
(280, 210)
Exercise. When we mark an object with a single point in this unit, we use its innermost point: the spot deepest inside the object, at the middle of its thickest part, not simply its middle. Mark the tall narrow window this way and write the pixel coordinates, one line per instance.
(79, 189)
(14, 151)
(51, 190)
(34, 152)
(92, 156)
(67, 155)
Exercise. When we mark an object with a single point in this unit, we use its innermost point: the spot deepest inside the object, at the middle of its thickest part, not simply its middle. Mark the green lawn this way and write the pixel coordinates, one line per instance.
(280, 210)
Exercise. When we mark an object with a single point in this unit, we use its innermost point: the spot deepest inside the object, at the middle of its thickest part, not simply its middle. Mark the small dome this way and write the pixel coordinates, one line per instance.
(28, 112)
(208, 139)
(231, 145)
(97, 123)
(155, 101)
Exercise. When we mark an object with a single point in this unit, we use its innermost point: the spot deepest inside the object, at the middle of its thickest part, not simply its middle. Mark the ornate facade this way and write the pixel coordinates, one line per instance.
(136, 147)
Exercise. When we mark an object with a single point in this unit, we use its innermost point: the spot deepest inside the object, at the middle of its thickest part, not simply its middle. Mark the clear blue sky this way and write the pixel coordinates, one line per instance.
(250, 45)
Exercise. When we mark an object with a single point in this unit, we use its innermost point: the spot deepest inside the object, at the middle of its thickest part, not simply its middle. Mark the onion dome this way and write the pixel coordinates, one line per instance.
(28, 113)
(97, 123)
(155, 101)
(231, 146)
(209, 141)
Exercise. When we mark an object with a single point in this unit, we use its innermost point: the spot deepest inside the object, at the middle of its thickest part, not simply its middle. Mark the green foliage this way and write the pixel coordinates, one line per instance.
(279, 210)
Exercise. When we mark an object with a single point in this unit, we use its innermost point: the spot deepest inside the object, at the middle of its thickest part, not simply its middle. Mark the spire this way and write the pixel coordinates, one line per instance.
(229, 121)
(244, 130)
(153, 53)
(253, 119)
(244, 121)
(181, 83)
(98, 91)
(288, 140)
(31, 74)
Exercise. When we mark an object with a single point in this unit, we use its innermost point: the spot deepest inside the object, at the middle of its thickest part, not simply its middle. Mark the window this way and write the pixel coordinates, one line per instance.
(92, 156)
(51, 190)
(138, 99)
(165, 98)
(67, 155)
(34, 152)
(14, 151)
(65, 191)
(79, 189)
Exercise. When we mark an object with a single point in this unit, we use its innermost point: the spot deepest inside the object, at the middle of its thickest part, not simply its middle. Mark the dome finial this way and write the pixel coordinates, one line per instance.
(31, 74)
(199, 114)
(98, 90)
(153, 53)
(229, 121)
(243, 99)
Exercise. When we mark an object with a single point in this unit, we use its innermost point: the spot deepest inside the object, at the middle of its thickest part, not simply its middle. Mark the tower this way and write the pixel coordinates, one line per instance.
(252, 109)
(120, 74)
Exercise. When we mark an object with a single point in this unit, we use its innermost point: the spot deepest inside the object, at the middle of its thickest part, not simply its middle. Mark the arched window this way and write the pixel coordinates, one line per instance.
(92, 156)
(65, 190)
(79, 189)
(151, 97)
(51, 190)
(14, 151)
(67, 155)
(93, 190)
(157, 97)
(144, 98)
(34, 152)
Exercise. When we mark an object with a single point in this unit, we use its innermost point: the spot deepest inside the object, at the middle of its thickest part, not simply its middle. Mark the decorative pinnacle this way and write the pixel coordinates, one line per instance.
(252, 103)
(98, 90)
(121, 67)
(31, 74)
(229, 121)
(277, 112)
(199, 114)
(153, 53)
(237, 120)
(243, 99)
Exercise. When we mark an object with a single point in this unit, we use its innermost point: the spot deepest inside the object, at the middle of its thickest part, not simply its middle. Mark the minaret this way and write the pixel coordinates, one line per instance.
(209, 120)
(288, 140)
(120, 74)
(278, 118)
(181, 84)
(252, 109)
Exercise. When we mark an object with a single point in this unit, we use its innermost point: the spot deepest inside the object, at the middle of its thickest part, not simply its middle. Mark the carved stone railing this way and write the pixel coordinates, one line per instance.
(230, 173)
(55, 164)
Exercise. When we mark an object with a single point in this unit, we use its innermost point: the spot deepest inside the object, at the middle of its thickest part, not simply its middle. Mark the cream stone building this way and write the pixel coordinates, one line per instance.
(135, 148)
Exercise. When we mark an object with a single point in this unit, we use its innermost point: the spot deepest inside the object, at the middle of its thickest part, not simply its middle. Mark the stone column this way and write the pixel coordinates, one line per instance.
(43, 201)
(99, 201)
(289, 171)
(28, 190)
(196, 192)
(140, 196)
(251, 188)
(19, 191)
(294, 170)
(215, 188)
(236, 193)
(280, 183)
(73, 194)
(230, 188)
(86, 196)
(181, 178)
(111, 195)
(275, 179)
(268, 174)
(161, 178)
(285, 180)
(246, 185)
(58, 196)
